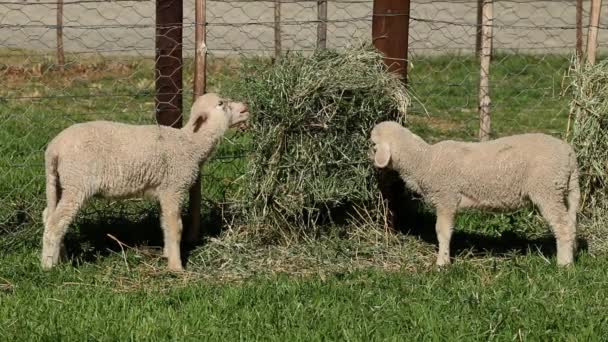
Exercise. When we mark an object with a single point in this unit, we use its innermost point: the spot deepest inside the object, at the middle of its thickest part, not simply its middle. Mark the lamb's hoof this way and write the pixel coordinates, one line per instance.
(175, 268)
(565, 259)
(442, 264)
(48, 263)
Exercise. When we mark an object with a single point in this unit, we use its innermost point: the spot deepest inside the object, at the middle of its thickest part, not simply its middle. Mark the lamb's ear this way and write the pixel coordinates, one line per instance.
(382, 156)
(199, 121)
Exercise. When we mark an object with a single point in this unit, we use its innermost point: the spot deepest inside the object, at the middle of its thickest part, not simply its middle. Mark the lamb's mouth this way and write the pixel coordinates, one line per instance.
(242, 123)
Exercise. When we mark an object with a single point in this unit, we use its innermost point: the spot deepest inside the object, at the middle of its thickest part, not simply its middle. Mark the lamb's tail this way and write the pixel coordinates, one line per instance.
(53, 187)
(574, 192)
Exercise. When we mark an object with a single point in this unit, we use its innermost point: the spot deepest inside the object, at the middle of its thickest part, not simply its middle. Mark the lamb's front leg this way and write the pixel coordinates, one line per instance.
(444, 227)
(171, 223)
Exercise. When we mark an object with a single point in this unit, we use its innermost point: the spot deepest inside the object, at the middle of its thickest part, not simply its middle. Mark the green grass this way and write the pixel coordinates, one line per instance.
(520, 299)
(366, 285)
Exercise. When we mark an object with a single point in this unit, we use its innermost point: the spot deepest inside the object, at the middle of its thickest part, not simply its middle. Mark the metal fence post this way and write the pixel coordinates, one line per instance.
(199, 88)
(579, 29)
(322, 25)
(60, 54)
(168, 69)
(390, 29)
(479, 26)
(277, 28)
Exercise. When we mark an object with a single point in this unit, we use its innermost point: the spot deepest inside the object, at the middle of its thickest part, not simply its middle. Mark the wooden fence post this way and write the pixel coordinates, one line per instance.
(198, 89)
(579, 30)
(484, 77)
(322, 24)
(594, 23)
(277, 28)
(60, 54)
(390, 29)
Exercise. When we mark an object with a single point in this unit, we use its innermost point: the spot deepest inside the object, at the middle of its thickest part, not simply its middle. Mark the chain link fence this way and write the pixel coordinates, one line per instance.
(104, 68)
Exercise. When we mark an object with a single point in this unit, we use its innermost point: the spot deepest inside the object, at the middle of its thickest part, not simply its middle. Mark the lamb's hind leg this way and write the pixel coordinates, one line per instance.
(56, 225)
(171, 224)
(554, 210)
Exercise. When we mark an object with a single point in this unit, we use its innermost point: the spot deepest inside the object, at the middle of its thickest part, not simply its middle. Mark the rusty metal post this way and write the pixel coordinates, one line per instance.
(322, 24)
(390, 29)
(579, 30)
(277, 28)
(199, 87)
(60, 54)
(478, 30)
(168, 70)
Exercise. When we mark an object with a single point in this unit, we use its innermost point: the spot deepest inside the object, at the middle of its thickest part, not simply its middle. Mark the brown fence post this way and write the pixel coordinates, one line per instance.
(579, 30)
(390, 29)
(594, 23)
(198, 89)
(322, 24)
(168, 70)
(484, 77)
(60, 54)
(479, 26)
(277, 28)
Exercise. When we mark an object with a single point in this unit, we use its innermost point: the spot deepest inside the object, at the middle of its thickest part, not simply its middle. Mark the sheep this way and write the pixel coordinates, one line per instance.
(503, 174)
(117, 160)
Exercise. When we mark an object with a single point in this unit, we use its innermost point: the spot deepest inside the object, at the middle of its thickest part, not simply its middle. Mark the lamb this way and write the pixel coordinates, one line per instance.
(116, 160)
(502, 174)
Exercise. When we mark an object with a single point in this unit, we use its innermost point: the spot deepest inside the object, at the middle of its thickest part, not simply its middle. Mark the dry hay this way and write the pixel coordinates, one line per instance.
(308, 167)
(588, 133)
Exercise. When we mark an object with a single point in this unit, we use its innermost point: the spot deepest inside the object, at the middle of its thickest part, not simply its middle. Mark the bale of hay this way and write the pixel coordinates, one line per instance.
(588, 85)
(308, 163)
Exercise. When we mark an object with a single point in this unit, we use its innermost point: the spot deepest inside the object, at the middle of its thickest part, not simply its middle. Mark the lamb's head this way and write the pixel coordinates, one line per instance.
(388, 139)
(381, 137)
(212, 107)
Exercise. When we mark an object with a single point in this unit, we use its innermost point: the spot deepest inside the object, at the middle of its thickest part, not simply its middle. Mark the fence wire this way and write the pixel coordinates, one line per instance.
(109, 70)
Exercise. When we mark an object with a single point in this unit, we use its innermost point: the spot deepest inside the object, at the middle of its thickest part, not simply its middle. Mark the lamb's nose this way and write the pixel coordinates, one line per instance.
(244, 109)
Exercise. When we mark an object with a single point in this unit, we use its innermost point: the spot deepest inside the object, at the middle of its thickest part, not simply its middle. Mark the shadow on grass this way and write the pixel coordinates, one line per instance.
(410, 217)
(98, 237)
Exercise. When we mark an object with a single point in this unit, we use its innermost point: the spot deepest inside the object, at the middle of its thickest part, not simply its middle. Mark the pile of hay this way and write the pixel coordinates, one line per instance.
(588, 85)
(312, 115)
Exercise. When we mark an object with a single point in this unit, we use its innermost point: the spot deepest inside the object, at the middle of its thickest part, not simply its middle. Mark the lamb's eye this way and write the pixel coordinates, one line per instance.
(220, 103)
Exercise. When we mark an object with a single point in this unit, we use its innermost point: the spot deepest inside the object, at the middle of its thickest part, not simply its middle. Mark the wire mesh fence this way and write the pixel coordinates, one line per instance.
(105, 69)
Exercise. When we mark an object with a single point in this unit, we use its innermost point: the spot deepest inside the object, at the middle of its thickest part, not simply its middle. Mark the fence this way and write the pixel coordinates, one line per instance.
(96, 60)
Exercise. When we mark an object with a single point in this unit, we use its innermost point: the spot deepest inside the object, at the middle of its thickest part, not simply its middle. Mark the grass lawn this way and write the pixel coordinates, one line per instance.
(373, 285)
(524, 298)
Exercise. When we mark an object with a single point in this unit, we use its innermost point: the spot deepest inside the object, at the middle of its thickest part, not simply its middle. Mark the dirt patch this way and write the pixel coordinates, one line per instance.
(14, 77)
(442, 124)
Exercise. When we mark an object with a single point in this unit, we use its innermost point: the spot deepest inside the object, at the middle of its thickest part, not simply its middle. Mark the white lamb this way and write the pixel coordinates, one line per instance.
(503, 174)
(116, 160)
